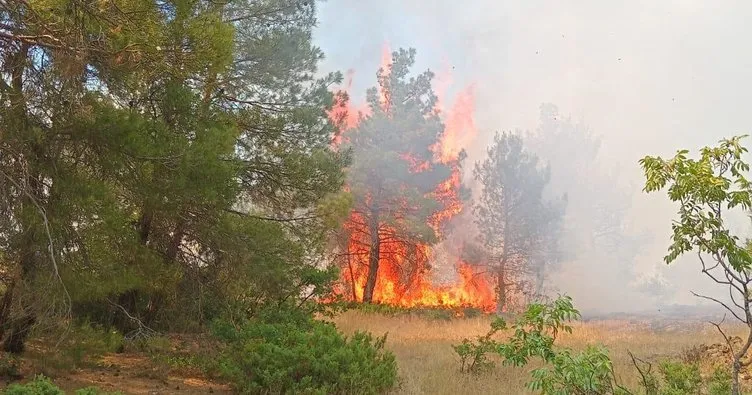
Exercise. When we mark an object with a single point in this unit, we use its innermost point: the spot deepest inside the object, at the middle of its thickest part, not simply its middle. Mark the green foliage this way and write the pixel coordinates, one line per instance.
(533, 335)
(429, 312)
(704, 187)
(474, 356)
(568, 372)
(519, 225)
(174, 155)
(9, 365)
(680, 378)
(587, 372)
(41, 385)
(303, 356)
(535, 332)
(89, 341)
(719, 382)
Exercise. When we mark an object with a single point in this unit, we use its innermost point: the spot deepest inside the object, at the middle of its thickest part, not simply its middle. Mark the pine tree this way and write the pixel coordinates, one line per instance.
(514, 217)
(394, 169)
(166, 162)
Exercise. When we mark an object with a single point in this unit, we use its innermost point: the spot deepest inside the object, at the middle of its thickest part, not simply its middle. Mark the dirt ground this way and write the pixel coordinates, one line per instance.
(129, 372)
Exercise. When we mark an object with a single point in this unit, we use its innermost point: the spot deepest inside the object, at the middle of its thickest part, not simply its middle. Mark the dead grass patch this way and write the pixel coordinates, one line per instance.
(428, 365)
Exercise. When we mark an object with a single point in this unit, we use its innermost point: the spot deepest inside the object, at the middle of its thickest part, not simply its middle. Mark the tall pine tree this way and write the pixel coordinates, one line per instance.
(163, 162)
(395, 171)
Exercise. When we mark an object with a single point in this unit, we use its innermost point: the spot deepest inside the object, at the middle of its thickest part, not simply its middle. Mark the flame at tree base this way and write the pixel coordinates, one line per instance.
(403, 278)
(471, 291)
(404, 265)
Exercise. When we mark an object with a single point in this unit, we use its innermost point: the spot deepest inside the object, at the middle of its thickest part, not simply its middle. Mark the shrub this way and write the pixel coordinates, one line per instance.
(533, 335)
(41, 385)
(151, 344)
(472, 312)
(680, 378)
(719, 382)
(310, 356)
(474, 355)
(9, 366)
(83, 341)
(588, 372)
(692, 354)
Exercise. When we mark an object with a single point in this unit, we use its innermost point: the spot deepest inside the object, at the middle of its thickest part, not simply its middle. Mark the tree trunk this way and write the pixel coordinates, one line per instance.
(15, 341)
(501, 287)
(373, 257)
(18, 328)
(352, 276)
(129, 299)
(5, 304)
(742, 352)
(156, 301)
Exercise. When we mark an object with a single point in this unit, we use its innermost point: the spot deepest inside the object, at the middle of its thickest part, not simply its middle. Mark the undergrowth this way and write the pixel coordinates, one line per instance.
(302, 355)
(42, 385)
(569, 372)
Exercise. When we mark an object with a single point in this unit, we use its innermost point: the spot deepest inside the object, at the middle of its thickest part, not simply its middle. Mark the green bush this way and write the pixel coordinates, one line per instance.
(533, 335)
(587, 372)
(85, 340)
(41, 385)
(151, 344)
(719, 382)
(680, 378)
(9, 366)
(303, 356)
(474, 354)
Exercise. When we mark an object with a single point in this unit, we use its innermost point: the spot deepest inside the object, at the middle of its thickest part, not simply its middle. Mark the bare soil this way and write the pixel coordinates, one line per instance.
(128, 372)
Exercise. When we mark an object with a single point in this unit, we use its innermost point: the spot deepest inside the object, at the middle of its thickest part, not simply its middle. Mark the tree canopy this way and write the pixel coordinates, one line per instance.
(162, 162)
(394, 171)
(518, 224)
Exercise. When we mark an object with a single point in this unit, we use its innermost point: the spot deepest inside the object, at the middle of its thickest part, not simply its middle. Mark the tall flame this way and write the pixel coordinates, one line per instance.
(403, 277)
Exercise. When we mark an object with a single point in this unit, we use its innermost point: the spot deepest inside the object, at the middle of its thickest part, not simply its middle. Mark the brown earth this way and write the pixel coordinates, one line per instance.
(129, 372)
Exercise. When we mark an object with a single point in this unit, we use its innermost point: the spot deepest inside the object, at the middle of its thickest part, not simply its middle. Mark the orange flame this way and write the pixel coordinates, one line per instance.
(403, 277)
(460, 128)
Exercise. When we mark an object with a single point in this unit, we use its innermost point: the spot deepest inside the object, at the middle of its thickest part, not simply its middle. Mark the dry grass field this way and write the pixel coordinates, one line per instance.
(428, 365)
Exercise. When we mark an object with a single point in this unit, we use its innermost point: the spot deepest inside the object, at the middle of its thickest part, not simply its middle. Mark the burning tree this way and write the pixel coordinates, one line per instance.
(518, 225)
(404, 187)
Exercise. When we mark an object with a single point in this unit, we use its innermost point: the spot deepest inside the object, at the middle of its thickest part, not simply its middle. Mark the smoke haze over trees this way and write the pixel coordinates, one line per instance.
(629, 74)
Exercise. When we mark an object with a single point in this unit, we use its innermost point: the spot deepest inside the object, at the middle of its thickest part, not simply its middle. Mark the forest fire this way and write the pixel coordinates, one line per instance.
(404, 264)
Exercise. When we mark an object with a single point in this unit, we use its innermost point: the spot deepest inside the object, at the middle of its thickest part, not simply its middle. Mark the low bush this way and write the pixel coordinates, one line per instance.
(719, 382)
(88, 340)
(9, 366)
(41, 385)
(680, 378)
(589, 372)
(303, 356)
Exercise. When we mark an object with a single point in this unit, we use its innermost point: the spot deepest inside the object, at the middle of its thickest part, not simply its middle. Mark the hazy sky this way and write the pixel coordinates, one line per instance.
(650, 77)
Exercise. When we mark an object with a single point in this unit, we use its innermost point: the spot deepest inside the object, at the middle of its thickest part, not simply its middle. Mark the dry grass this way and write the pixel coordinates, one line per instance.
(428, 365)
